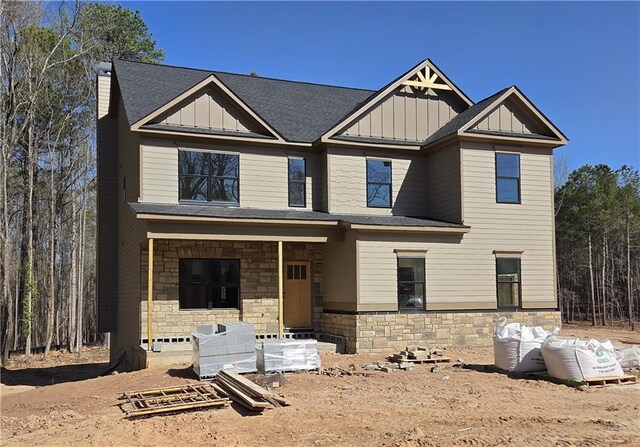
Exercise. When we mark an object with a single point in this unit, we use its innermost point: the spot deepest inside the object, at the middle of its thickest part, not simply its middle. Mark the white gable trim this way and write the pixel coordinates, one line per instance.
(211, 79)
(381, 95)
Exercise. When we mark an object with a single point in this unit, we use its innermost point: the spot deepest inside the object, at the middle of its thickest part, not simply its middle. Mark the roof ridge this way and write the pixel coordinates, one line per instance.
(246, 75)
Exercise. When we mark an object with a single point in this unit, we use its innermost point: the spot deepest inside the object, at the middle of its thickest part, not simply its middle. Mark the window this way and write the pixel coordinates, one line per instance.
(297, 271)
(378, 184)
(209, 283)
(507, 178)
(208, 176)
(297, 182)
(411, 279)
(508, 282)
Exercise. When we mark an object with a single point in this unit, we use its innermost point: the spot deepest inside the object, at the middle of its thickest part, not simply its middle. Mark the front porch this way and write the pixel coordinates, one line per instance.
(280, 293)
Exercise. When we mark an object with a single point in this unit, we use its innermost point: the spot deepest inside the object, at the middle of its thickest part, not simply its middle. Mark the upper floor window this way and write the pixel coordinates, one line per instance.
(508, 282)
(507, 178)
(297, 182)
(378, 183)
(208, 176)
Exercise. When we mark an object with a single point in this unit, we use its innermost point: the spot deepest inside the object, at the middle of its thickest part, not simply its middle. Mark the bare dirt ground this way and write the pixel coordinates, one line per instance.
(452, 407)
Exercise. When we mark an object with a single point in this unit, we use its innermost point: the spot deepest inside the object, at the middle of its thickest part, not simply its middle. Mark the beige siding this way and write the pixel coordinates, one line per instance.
(108, 195)
(504, 227)
(130, 234)
(511, 116)
(408, 114)
(348, 182)
(211, 109)
(263, 174)
(443, 196)
(460, 274)
(339, 274)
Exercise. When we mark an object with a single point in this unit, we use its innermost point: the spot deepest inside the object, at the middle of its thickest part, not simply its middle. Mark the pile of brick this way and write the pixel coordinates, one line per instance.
(232, 346)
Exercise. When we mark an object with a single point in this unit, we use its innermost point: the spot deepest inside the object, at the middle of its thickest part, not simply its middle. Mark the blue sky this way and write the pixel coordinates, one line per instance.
(579, 62)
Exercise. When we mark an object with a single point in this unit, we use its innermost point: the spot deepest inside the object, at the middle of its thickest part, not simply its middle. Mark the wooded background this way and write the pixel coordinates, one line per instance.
(49, 53)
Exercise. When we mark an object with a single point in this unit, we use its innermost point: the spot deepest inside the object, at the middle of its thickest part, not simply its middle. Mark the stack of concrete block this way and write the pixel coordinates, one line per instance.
(288, 355)
(231, 346)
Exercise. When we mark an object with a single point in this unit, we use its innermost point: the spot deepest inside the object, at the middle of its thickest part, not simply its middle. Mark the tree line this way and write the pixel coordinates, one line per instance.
(48, 58)
(597, 245)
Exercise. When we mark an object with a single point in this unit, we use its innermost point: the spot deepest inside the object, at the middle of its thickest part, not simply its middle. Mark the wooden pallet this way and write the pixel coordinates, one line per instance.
(172, 399)
(434, 359)
(608, 381)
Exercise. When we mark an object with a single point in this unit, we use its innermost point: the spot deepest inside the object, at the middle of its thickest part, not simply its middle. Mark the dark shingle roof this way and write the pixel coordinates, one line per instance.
(255, 213)
(299, 111)
(463, 118)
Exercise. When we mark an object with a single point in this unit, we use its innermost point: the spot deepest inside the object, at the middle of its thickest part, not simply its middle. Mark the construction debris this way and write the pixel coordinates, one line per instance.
(246, 393)
(419, 354)
(173, 399)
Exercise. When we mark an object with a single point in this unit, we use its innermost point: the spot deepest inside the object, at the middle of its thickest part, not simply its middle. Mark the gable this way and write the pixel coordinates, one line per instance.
(410, 108)
(409, 113)
(511, 116)
(209, 108)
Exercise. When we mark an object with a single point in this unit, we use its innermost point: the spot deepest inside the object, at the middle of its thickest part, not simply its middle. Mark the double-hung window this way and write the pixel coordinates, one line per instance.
(507, 178)
(378, 183)
(208, 177)
(209, 283)
(297, 182)
(509, 283)
(411, 283)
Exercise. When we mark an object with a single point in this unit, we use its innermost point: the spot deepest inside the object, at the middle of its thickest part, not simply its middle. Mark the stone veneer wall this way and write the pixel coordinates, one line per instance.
(258, 284)
(390, 332)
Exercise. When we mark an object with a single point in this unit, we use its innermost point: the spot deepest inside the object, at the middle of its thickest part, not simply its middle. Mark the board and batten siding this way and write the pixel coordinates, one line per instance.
(408, 114)
(460, 273)
(510, 117)
(339, 274)
(210, 109)
(263, 174)
(347, 178)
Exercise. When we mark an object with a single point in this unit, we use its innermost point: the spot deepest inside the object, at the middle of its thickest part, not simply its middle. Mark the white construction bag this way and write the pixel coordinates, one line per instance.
(628, 358)
(580, 359)
(516, 347)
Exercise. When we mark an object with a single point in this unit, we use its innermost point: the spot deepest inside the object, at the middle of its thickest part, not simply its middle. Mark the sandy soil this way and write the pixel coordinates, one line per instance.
(452, 407)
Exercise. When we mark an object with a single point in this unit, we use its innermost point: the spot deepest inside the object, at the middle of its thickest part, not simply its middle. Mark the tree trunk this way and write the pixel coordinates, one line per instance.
(73, 274)
(593, 293)
(603, 294)
(629, 294)
(51, 301)
(29, 268)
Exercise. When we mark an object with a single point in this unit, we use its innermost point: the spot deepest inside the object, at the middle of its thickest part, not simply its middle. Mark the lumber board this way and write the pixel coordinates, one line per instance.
(256, 389)
(230, 388)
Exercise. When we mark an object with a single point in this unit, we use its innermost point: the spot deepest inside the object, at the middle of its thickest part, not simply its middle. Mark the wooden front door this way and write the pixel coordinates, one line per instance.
(297, 295)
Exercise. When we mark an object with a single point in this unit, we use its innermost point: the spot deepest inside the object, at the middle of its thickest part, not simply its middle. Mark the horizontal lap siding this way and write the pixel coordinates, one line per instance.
(460, 273)
(263, 174)
(496, 226)
(348, 182)
(442, 179)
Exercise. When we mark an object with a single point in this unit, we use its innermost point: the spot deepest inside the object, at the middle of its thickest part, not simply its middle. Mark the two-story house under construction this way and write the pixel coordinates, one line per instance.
(406, 215)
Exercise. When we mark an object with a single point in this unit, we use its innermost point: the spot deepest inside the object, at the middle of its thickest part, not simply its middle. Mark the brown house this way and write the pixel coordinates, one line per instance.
(376, 219)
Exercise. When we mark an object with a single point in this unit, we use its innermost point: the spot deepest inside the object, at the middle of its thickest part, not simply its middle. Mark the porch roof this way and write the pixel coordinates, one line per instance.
(157, 211)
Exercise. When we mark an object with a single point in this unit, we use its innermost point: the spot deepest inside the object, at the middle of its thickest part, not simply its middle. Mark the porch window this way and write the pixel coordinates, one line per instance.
(411, 283)
(508, 281)
(208, 176)
(507, 178)
(297, 182)
(378, 184)
(209, 283)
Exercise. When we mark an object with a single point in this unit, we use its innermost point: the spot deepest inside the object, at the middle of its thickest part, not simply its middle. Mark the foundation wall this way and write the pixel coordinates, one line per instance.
(391, 332)
(258, 285)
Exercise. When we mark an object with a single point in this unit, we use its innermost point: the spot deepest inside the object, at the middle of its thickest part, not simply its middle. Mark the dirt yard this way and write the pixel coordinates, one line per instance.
(64, 402)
